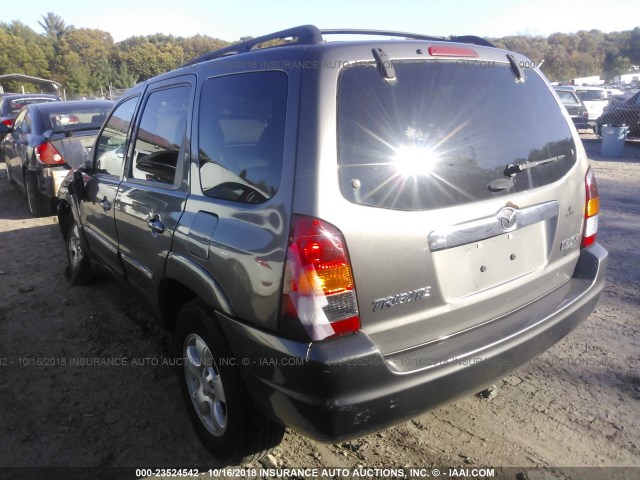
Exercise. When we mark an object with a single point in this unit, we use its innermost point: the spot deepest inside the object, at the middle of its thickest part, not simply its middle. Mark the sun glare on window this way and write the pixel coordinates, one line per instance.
(414, 160)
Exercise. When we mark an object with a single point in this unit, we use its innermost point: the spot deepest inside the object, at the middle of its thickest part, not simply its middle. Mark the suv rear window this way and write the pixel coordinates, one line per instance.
(568, 98)
(437, 135)
(591, 95)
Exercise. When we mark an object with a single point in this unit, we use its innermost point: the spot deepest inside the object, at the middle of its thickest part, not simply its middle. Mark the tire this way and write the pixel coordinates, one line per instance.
(78, 267)
(227, 422)
(40, 205)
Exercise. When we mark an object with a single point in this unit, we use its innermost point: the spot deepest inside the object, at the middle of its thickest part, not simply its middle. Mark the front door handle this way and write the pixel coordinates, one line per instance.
(105, 204)
(155, 225)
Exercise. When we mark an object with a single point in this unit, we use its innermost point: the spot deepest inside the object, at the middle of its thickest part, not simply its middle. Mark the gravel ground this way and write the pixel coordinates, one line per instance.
(577, 405)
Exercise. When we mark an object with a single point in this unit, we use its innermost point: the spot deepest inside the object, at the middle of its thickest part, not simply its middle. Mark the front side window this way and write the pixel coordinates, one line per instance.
(111, 144)
(441, 133)
(241, 136)
(160, 135)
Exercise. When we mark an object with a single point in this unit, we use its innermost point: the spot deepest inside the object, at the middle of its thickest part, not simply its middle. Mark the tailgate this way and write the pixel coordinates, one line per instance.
(444, 233)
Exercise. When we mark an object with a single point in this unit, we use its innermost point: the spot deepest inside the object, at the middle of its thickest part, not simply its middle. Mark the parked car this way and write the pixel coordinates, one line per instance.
(419, 225)
(576, 109)
(42, 139)
(616, 100)
(612, 92)
(623, 113)
(595, 99)
(12, 103)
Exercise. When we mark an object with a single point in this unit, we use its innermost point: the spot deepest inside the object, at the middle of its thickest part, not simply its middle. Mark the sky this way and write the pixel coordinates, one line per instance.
(230, 20)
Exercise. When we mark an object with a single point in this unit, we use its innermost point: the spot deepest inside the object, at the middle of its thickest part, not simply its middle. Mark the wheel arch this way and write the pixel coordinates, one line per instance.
(184, 281)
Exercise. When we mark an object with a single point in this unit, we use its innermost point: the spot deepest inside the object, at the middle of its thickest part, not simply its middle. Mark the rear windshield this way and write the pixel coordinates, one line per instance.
(84, 117)
(441, 132)
(568, 98)
(591, 95)
(16, 105)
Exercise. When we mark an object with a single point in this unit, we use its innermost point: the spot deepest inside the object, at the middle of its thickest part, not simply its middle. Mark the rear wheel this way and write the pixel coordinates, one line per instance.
(39, 204)
(78, 269)
(224, 417)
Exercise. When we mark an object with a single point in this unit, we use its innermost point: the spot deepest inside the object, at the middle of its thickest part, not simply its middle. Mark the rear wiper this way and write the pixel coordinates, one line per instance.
(514, 168)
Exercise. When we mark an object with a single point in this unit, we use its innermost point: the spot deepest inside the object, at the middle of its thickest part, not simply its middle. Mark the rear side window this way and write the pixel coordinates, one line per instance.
(241, 136)
(17, 124)
(160, 135)
(439, 134)
(26, 125)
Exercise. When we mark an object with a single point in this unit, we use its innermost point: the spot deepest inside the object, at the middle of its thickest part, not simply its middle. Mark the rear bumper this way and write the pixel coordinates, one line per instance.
(345, 388)
(50, 179)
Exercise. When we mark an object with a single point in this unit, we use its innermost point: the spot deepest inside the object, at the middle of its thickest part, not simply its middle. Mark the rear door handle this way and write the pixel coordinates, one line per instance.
(155, 225)
(105, 204)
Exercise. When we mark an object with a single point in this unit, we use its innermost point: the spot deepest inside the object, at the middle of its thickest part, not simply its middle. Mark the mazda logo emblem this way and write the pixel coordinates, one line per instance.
(508, 218)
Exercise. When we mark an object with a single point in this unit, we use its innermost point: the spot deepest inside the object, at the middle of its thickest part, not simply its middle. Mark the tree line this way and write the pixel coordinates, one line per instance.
(87, 61)
(581, 54)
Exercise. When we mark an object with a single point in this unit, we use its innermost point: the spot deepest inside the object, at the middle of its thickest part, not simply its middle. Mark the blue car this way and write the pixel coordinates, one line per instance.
(41, 140)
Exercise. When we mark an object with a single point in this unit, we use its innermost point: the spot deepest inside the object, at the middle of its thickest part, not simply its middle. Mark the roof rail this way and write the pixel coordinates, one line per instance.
(472, 39)
(384, 33)
(309, 34)
(304, 34)
(414, 36)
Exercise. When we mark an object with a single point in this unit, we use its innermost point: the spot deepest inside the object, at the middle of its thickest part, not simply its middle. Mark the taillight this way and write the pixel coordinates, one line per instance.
(591, 209)
(47, 154)
(8, 122)
(318, 295)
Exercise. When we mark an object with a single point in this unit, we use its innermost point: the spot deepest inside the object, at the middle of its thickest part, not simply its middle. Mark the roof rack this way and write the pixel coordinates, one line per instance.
(304, 34)
(310, 34)
(414, 36)
(472, 39)
(382, 33)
